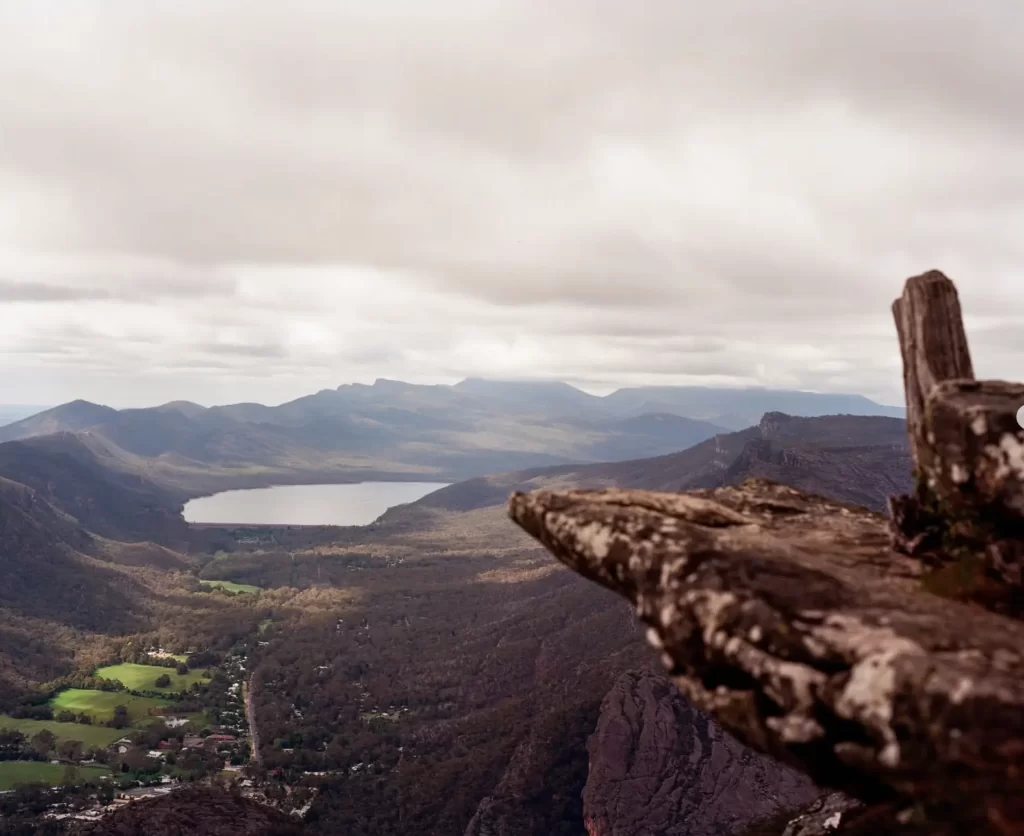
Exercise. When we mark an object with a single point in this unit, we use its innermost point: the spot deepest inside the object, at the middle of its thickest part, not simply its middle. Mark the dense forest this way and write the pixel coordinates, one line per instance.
(423, 696)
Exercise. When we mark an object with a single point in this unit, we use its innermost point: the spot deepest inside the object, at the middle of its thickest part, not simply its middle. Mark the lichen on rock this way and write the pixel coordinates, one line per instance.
(792, 621)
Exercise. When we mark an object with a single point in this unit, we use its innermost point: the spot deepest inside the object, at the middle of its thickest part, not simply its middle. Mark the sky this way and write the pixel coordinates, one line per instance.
(220, 201)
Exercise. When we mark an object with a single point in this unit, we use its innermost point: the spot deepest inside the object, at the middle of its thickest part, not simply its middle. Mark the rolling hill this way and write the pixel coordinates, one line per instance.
(9, 413)
(397, 430)
(502, 658)
(740, 408)
(857, 459)
(103, 493)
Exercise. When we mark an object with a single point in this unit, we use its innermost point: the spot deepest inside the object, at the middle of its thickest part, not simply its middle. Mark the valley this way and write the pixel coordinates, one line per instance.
(504, 419)
(432, 672)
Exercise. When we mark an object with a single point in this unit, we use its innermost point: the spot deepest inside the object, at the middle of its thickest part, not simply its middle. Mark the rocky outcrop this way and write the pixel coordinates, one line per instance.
(659, 767)
(793, 622)
(193, 812)
(883, 658)
(824, 816)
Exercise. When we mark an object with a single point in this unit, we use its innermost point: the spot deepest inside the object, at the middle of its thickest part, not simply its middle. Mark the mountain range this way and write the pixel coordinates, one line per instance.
(396, 430)
(858, 459)
(442, 605)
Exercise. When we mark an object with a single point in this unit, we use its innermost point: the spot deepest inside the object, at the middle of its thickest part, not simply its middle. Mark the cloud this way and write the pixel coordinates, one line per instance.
(252, 200)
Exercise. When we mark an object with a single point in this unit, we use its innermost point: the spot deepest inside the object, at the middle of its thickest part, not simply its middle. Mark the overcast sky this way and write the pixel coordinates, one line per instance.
(223, 201)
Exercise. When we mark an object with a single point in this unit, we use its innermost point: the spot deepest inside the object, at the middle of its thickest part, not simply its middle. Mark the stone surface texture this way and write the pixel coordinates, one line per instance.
(659, 767)
(794, 623)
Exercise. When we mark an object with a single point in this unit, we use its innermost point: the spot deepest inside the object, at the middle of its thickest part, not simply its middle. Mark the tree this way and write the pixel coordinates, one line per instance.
(43, 740)
(11, 741)
(163, 681)
(121, 718)
(66, 716)
(70, 750)
(137, 760)
(181, 669)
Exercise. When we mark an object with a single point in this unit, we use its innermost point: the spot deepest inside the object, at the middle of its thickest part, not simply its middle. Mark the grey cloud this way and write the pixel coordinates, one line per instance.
(77, 277)
(258, 351)
(373, 355)
(36, 292)
(610, 180)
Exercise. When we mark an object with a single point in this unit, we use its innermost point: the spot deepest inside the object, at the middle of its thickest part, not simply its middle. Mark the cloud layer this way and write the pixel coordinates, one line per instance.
(227, 200)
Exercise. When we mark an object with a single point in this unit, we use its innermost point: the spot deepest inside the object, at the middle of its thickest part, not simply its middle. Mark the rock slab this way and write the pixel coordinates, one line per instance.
(659, 767)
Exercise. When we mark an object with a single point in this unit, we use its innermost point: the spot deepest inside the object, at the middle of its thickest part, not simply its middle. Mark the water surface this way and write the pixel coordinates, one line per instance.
(356, 504)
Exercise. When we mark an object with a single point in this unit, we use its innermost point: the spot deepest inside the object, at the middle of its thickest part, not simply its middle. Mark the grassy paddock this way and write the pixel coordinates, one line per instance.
(98, 736)
(231, 586)
(143, 677)
(13, 773)
(100, 704)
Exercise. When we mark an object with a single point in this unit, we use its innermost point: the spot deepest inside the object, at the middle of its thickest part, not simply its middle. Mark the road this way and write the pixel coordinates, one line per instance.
(250, 717)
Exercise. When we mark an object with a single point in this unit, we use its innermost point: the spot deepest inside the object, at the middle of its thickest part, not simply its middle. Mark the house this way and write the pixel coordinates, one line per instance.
(164, 746)
(193, 741)
(221, 738)
(175, 722)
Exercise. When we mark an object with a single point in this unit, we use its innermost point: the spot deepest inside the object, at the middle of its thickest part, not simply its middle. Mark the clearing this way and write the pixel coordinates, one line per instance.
(100, 704)
(231, 586)
(98, 736)
(13, 773)
(143, 677)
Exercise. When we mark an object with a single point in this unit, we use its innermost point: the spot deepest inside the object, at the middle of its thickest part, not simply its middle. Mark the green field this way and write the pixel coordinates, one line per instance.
(231, 586)
(142, 677)
(99, 736)
(13, 773)
(100, 704)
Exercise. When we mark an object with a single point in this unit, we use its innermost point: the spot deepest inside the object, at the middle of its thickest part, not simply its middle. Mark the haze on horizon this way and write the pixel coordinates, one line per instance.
(223, 201)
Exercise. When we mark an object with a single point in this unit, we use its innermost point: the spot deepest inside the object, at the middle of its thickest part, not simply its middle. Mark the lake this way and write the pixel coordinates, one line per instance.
(356, 504)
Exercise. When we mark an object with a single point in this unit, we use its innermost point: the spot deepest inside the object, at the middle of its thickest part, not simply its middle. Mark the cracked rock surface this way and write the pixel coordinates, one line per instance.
(793, 622)
(823, 817)
(659, 767)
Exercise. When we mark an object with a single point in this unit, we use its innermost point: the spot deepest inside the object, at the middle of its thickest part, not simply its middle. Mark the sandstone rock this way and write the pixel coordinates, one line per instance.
(967, 445)
(791, 620)
(193, 812)
(659, 767)
(824, 817)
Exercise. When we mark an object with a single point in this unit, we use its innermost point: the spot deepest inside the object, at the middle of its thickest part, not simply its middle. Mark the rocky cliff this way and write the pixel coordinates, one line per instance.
(659, 767)
(193, 812)
(881, 657)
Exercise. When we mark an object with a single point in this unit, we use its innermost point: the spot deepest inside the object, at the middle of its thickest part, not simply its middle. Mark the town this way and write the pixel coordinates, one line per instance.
(142, 727)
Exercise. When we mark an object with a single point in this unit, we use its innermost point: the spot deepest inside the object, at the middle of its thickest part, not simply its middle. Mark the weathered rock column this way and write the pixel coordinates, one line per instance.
(841, 643)
(933, 345)
(967, 445)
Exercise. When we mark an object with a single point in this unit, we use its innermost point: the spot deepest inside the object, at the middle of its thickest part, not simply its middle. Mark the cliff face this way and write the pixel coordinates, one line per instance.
(659, 767)
(193, 812)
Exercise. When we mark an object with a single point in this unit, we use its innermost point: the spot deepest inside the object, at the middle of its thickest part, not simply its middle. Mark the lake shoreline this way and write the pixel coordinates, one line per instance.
(335, 505)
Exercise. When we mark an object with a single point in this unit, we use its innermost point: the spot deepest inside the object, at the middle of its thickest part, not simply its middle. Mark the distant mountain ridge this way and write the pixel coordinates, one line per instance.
(397, 430)
(9, 413)
(858, 459)
(64, 471)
